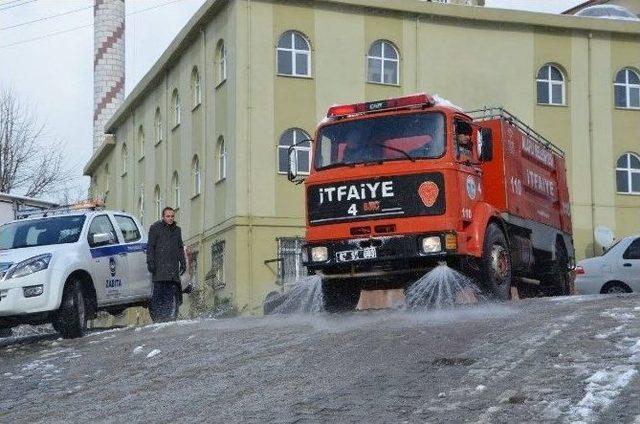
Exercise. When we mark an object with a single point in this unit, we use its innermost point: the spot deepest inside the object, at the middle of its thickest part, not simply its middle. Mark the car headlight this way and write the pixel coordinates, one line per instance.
(319, 254)
(29, 266)
(431, 244)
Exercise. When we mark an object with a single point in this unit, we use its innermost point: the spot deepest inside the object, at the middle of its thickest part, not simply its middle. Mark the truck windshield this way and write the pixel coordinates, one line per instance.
(411, 136)
(41, 232)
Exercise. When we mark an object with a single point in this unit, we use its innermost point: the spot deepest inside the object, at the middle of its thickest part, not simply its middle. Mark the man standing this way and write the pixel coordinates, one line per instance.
(166, 262)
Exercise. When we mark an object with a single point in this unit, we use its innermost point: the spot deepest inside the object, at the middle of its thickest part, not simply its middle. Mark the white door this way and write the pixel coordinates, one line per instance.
(110, 264)
(139, 278)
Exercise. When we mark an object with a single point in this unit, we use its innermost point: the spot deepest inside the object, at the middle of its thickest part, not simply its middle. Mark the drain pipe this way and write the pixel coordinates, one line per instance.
(250, 175)
(591, 161)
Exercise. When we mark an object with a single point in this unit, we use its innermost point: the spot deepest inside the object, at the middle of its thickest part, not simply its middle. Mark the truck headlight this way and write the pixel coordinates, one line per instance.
(431, 244)
(29, 266)
(319, 254)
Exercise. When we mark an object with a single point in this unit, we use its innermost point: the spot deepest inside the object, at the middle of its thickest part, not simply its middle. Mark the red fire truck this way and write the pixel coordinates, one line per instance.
(397, 186)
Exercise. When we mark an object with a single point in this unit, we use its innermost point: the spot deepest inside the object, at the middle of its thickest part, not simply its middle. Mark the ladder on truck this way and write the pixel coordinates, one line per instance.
(59, 210)
(499, 112)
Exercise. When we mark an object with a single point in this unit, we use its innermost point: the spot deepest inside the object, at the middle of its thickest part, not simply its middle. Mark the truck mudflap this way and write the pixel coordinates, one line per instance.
(381, 257)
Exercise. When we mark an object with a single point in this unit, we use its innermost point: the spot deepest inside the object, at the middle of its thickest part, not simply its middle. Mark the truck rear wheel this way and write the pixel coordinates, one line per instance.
(557, 281)
(340, 295)
(495, 269)
(71, 319)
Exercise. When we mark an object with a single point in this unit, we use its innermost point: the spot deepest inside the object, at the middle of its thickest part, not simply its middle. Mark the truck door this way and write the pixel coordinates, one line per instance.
(470, 177)
(109, 266)
(139, 278)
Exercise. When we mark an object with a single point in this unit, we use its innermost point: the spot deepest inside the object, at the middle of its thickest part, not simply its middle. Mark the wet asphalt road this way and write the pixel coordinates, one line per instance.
(570, 359)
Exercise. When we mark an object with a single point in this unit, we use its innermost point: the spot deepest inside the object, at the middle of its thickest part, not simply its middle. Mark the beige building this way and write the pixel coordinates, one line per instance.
(208, 126)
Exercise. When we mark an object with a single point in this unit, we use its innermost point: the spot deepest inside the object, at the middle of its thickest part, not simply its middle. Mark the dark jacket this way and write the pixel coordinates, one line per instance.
(165, 252)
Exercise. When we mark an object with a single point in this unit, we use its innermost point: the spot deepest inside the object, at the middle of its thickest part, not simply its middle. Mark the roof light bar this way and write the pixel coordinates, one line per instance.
(380, 105)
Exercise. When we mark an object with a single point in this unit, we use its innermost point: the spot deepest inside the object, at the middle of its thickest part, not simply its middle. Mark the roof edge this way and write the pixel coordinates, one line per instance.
(103, 150)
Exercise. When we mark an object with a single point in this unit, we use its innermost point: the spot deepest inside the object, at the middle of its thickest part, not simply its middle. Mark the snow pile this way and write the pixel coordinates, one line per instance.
(602, 389)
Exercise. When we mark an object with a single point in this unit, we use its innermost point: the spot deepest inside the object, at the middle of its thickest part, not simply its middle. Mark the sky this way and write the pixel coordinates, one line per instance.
(48, 64)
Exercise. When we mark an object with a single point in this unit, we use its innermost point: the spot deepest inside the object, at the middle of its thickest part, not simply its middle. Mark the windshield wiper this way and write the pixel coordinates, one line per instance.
(395, 149)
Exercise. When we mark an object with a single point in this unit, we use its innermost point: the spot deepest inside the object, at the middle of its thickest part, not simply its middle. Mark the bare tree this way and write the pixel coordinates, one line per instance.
(28, 164)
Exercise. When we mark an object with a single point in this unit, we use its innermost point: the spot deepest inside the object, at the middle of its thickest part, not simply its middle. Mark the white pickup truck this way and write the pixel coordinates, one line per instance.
(63, 268)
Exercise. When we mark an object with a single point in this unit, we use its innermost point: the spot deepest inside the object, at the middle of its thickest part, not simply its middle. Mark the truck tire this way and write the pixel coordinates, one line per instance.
(71, 319)
(495, 264)
(168, 312)
(557, 281)
(340, 295)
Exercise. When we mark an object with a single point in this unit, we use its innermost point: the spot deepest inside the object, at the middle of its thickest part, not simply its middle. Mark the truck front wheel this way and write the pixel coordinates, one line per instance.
(495, 265)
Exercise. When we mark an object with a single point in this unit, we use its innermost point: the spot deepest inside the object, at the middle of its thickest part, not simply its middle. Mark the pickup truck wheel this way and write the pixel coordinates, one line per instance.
(340, 295)
(164, 308)
(71, 319)
(5, 332)
(495, 269)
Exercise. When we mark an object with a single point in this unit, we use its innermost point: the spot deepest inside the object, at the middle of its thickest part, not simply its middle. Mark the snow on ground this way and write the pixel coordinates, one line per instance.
(153, 353)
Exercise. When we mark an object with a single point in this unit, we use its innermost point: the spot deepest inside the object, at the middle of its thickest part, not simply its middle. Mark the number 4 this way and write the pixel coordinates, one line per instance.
(353, 210)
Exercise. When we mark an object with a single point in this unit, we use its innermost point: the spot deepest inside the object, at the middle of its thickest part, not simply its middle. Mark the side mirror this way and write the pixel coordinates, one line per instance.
(101, 239)
(292, 154)
(485, 144)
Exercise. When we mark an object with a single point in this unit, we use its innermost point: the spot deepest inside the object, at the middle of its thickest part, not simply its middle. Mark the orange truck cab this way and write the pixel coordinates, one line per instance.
(399, 185)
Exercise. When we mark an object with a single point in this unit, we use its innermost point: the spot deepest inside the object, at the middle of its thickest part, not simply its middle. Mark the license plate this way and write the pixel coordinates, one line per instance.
(356, 254)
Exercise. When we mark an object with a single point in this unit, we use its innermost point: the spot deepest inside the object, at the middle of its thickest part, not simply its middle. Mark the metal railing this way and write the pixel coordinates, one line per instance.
(498, 112)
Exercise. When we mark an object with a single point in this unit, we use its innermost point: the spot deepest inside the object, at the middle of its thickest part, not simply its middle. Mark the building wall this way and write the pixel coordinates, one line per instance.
(446, 55)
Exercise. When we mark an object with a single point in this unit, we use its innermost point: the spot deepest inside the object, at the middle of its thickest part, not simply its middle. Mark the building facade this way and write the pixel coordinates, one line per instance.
(206, 129)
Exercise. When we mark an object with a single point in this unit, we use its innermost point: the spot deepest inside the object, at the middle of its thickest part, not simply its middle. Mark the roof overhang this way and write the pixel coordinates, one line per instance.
(98, 156)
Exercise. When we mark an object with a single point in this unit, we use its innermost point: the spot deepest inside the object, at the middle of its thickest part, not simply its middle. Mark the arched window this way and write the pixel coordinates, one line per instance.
(141, 208)
(294, 55)
(551, 86)
(175, 188)
(383, 63)
(175, 105)
(302, 156)
(222, 159)
(627, 89)
(221, 61)
(140, 142)
(124, 158)
(195, 87)
(196, 175)
(158, 202)
(158, 126)
(628, 174)
(107, 177)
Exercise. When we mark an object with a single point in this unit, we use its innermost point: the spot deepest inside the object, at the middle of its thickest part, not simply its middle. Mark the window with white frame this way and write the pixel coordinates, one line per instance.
(158, 126)
(215, 276)
(222, 159)
(627, 89)
(175, 188)
(175, 105)
(294, 55)
(301, 153)
(140, 142)
(124, 158)
(157, 202)
(221, 59)
(383, 63)
(195, 87)
(196, 175)
(551, 86)
(628, 174)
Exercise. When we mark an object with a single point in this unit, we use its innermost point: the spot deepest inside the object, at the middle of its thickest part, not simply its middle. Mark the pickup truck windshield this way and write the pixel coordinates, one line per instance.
(411, 136)
(41, 232)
